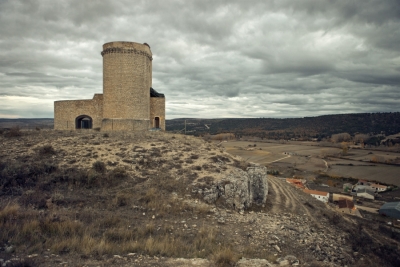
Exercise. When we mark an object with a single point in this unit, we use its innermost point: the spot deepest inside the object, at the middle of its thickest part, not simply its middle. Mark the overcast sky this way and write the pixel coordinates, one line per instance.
(211, 58)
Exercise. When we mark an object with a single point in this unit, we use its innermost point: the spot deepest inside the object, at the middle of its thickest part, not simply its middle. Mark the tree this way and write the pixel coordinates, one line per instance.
(340, 137)
(345, 148)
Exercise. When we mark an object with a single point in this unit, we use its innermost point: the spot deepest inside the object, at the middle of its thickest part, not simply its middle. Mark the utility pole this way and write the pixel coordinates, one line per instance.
(185, 127)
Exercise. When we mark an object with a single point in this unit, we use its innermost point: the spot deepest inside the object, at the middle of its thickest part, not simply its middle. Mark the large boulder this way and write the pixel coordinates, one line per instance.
(240, 189)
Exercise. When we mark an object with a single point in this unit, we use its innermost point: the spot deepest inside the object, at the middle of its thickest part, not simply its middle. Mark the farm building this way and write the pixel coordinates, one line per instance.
(362, 187)
(379, 187)
(337, 197)
(390, 209)
(296, 182)
(365, 193)
(346, 206)
(320, 195)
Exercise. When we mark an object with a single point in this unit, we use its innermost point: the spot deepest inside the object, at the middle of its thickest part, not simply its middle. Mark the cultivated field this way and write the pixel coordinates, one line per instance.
(307, 158)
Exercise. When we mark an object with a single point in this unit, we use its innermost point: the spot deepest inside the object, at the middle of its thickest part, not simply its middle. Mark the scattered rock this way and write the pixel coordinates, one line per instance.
(254, 263)
(10, 249)
(288, 260)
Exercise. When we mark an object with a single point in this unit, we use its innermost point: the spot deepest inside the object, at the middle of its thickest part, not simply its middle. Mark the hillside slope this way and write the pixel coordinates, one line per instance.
(321, 126)
(114, 199)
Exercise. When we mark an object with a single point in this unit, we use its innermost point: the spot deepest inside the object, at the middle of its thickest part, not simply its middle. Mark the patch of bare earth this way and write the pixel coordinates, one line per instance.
(124, 199)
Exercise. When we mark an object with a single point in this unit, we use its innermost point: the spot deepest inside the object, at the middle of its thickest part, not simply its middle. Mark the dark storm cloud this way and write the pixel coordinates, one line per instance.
(211, 58)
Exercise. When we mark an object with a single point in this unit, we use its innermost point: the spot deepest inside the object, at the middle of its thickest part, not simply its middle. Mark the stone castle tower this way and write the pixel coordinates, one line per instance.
(128, 102)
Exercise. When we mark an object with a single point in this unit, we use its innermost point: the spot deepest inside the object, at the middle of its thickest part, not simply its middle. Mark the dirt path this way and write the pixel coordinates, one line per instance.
(276, 195)
(372, 210)
(278, 159)
(283, 199)
(326, 165)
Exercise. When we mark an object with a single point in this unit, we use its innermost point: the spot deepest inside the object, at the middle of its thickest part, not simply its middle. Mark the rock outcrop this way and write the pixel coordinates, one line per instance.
(240, 189)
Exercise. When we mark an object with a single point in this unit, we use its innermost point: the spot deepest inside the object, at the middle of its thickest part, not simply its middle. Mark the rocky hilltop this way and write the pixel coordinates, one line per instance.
(90, 198)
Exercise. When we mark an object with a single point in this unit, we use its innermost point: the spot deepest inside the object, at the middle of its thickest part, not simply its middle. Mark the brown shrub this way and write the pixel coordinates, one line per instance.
(196, 168)
(241, 164)
(122, 199)
(99, 167)
(225, 257)
(46, 150)
(8, 212)
(13, 132)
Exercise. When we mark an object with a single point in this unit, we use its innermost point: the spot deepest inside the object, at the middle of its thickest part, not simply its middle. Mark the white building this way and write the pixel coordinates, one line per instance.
(320, 195)
(378, 187)
(365, 193)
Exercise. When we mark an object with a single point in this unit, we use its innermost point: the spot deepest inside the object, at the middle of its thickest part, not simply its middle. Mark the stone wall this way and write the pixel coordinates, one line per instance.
(157, 109)
(124, 125)
(66, 111)
(126, 80)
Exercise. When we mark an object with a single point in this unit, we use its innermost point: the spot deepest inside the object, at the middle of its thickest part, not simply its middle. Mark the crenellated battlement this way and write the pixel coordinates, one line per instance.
(114, 50)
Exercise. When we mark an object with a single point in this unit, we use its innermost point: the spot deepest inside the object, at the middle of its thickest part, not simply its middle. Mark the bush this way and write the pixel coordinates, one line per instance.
(118, 174)
(22, 263)
(121, 199)
(13, 132)
(241, 164)
(99, 167)
(15, 175)
(196, 168)
(92, 177)
(46, 150)
(273, 172)
(34, 198)
(225, 258)
(72, 175)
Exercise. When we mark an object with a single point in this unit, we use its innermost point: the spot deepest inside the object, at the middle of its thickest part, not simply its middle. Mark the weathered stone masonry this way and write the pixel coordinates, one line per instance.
(128, 102)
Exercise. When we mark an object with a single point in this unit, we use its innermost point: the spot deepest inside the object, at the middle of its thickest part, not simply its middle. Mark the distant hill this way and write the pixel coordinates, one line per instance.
(24, 123)
(317, 127)
(310, 127)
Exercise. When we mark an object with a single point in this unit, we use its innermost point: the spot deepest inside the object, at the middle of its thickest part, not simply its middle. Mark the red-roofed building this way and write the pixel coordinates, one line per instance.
(363, 182)
(296, 182)
(379, 187)
(346, 206)
(320, 195)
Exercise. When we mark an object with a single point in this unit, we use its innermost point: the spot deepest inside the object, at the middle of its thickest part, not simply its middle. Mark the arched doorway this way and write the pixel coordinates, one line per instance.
(83, 122)
(157, 122)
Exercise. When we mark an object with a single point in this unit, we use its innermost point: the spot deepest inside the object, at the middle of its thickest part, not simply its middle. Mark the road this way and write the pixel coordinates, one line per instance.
(372, 210)
(278, 159)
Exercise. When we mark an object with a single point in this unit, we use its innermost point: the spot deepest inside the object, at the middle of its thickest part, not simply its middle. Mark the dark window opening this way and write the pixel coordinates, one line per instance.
(83, 122)
(157, 122)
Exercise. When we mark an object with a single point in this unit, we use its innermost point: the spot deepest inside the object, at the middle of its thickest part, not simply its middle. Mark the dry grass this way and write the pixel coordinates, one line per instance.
(9, 212)
(225, 257)
(110, 236)
(96, 194)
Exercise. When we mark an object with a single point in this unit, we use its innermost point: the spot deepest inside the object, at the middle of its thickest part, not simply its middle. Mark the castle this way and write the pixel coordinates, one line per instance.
(128, 102)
